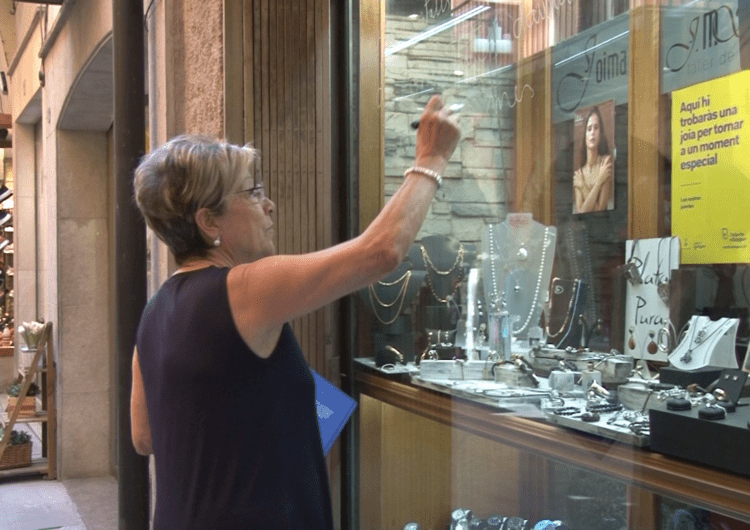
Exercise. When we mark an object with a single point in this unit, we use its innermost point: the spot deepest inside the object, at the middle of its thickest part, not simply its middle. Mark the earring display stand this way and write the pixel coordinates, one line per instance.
(646, 313)
(517, 268)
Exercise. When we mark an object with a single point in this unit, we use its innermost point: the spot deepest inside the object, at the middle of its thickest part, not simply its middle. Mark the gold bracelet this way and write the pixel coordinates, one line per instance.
(434, 175)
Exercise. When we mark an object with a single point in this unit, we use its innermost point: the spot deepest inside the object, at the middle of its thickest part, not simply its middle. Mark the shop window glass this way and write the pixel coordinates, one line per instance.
(591, 221)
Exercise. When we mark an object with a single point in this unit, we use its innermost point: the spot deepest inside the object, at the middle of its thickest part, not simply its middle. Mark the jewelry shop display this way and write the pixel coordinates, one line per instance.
(570, 294)
(696, 339)
(647, 307)
(662, 284)
(631, 340)
(631, 271)
(557, 290)
(518, 255)
(537, 288)
(432, 269)
(400, 297)
(398, 355)
(707, 342)
(578, 255)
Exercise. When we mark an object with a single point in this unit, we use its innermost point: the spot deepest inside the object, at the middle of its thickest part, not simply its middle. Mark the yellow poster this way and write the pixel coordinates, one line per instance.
(711, 170)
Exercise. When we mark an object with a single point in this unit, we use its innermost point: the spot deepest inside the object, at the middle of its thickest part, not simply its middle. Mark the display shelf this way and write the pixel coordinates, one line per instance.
(39, 466)
(647, 474)
(47, 416)
(39, 417)
(24, 371)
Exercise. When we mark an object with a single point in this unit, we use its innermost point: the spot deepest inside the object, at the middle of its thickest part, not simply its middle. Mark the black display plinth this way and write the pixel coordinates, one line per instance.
(702, 376)
(719, 443)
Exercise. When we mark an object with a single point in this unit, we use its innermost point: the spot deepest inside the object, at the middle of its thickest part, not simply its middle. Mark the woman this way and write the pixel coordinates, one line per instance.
(593, 182)
(222, 395)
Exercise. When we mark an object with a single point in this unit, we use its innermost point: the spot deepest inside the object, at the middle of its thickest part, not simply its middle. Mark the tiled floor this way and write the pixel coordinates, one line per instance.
(96, 501)
(37, 504)
(81, 504)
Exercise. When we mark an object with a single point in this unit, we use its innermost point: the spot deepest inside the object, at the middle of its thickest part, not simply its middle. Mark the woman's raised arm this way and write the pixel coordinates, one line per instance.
(277, 289)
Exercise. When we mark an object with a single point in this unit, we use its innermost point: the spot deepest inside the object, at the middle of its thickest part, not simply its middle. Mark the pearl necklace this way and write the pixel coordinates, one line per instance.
(496, 303)
(545, 244)
(537, 289)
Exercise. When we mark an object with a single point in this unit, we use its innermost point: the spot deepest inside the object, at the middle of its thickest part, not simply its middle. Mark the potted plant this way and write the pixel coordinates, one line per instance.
(28, 407)
(18, 451)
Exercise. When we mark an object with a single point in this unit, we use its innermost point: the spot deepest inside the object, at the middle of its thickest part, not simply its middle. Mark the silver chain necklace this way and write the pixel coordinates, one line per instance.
(701, 337)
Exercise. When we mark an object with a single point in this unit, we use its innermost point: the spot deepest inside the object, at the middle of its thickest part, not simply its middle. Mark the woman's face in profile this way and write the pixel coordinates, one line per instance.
(593, 132)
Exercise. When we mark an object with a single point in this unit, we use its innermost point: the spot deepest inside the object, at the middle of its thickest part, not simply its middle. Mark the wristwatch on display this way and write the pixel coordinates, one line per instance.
(546, 524)
(516, 523)
(460, 518)
(496, 521)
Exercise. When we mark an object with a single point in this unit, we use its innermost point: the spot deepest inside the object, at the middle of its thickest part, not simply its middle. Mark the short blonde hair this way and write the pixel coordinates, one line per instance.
(186, 174)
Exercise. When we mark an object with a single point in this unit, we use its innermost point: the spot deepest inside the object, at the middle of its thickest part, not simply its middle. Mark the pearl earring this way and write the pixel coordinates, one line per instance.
(217, 241)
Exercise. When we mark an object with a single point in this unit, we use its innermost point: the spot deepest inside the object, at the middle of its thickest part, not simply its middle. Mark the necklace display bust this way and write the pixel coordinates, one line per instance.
(517, 268)
(707, 343)
(389, 301)
(446, 262)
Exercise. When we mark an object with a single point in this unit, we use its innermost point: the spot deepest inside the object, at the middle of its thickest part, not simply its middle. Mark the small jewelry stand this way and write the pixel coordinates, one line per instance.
(707, 343)
(446, 262)
(388, 300)
(577, 253)
(472, 335)
(517, 268)
(567, 305)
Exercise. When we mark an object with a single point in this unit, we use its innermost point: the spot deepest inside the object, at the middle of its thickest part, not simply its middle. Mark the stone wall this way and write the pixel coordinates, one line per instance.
(474, 189)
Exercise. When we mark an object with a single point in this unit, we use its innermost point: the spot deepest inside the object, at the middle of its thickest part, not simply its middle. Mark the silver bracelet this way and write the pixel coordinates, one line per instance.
(434, 175)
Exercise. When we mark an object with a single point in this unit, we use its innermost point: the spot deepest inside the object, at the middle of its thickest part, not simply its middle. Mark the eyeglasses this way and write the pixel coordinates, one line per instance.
(256, 193)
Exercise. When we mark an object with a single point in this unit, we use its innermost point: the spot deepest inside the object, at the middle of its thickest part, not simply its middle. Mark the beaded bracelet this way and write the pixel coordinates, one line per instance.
(434, 175)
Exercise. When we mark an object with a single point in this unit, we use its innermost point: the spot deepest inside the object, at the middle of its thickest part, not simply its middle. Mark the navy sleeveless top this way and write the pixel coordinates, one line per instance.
(235, 437)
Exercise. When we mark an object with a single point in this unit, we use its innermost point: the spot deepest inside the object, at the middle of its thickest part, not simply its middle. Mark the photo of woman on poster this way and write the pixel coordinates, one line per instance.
(593, 181)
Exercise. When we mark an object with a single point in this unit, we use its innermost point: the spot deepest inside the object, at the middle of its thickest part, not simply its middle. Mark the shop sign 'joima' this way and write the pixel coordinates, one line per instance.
(591, 67)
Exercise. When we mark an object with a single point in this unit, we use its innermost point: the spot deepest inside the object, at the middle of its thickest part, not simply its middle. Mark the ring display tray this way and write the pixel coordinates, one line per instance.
(524, 401)
(599, 428)
(460, 389)
(527, 401)
(459, 370)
